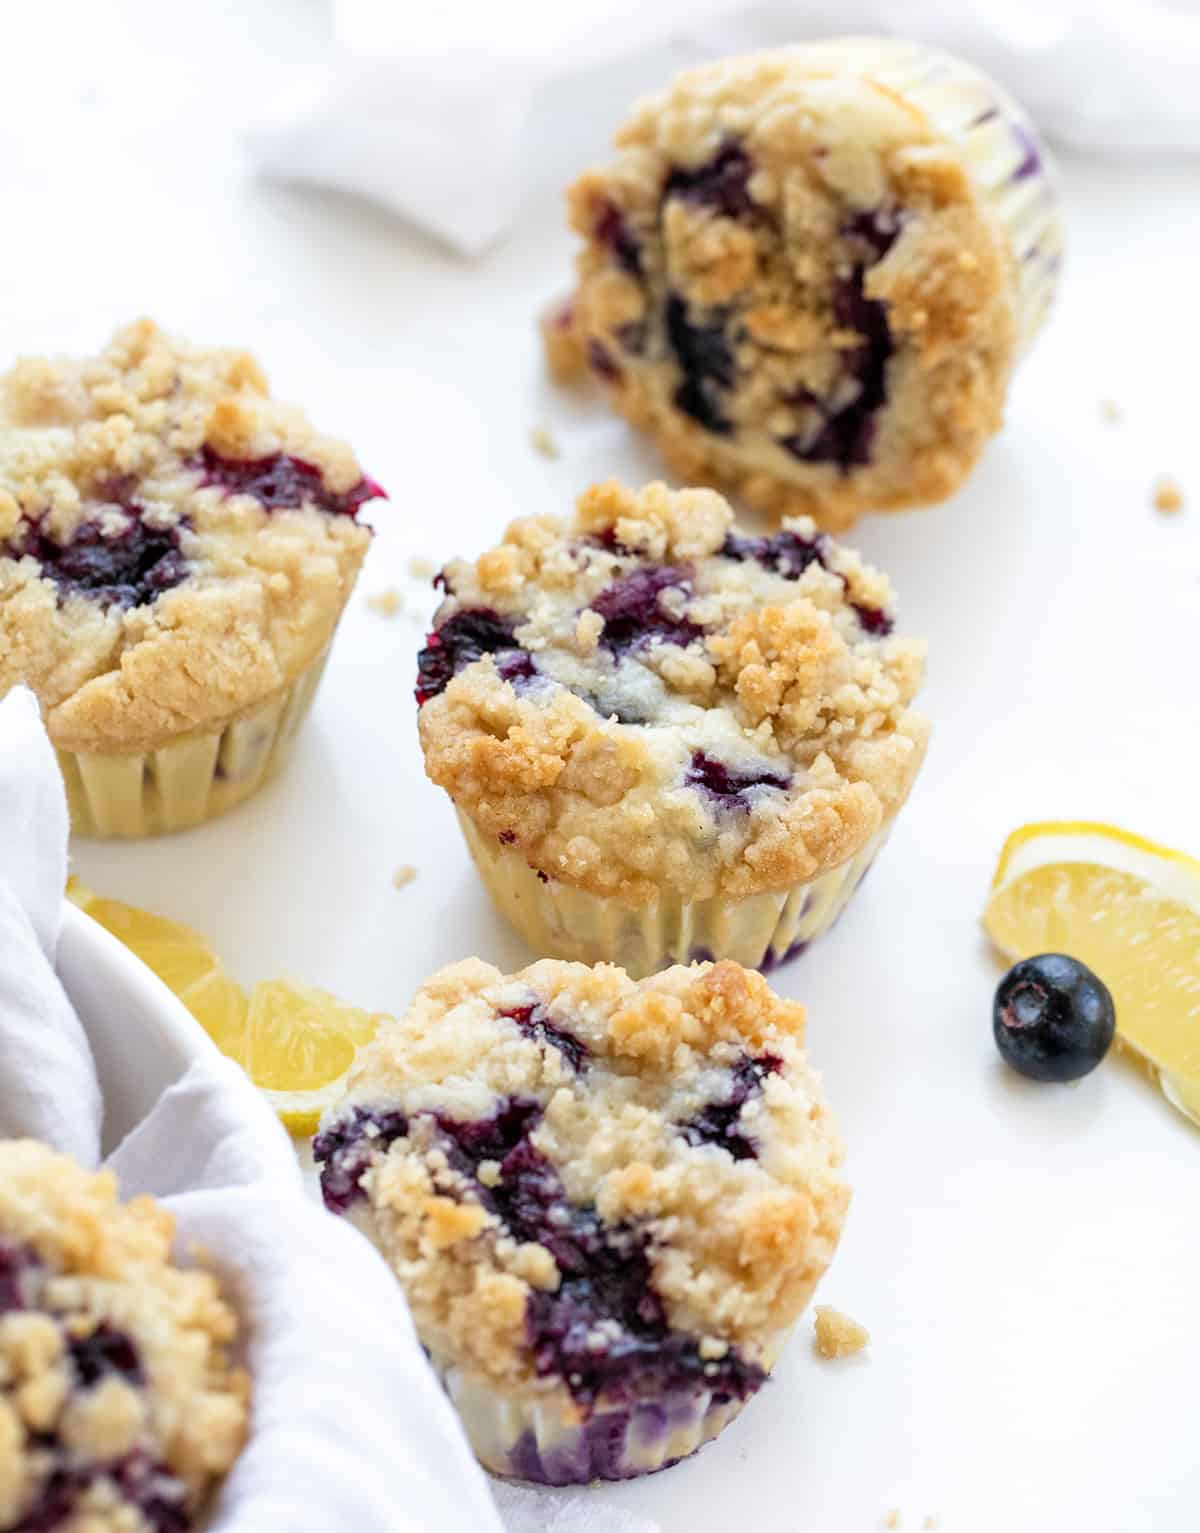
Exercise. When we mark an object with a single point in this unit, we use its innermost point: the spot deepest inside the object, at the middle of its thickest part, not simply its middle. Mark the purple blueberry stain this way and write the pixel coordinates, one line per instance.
(612, 230)
(1031, 160)
(601, 362)
(722, 183)
(784, 553)
(873, 620)
(720, 1123)
(106, 1352)
(728, 786)
(772, 960)
(533, 1020)
(464, 637)
(127, 567)
(18, 1265)
(634, 615)
(704, 358)
(282, 481)
(345, 1151)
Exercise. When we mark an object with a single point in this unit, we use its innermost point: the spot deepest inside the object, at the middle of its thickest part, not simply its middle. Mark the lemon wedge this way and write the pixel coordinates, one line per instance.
(295, 1043)
(1127, 908)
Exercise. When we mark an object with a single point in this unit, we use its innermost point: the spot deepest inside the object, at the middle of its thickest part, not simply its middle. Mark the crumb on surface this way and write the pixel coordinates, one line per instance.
(930, 1521)
(542, 440)
(892, 1520)
(1110, 411)
(837, 1335)
(1168, 495)
(403, 875)
(387, 602)
(420, 568)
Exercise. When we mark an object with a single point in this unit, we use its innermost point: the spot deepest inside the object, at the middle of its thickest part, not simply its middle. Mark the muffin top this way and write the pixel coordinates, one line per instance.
(175, 545)
(621, 1189)
(790, 275)
(118, 1402)
(643, 698)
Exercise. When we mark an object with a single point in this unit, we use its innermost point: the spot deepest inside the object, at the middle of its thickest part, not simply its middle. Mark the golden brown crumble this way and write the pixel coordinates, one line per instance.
(736, 290)
(403, 876)
(837, 1335)
(543, 442)
(1168, 495)
(783, 680)
(387, 603)
(736, 1246)
(90, 1264)
(264, 590)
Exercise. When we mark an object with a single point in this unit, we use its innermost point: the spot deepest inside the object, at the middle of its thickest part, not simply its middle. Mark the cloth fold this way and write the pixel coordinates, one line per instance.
(456, 115)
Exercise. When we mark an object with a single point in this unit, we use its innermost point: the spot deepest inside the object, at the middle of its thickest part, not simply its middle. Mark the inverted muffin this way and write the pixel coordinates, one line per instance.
(119, 1405)
(808, 273)
(607, 1202)
(176, 549)
(666, 740)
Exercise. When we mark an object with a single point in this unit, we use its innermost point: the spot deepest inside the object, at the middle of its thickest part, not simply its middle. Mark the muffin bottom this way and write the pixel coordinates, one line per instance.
(759, 931)
(193, 779)
(544, 1442)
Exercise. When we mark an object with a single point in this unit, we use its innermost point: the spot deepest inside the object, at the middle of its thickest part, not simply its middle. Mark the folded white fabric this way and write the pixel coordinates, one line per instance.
(349, 1429)
(453, 115)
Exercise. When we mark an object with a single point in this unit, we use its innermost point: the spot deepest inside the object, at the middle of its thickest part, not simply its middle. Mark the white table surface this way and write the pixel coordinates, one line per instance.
(1027, 1258)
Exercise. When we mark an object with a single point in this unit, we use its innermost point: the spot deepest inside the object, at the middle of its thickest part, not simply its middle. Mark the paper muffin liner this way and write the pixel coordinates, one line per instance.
(1004, 155)
(558, 920)
(544, 1440)
(192, 779)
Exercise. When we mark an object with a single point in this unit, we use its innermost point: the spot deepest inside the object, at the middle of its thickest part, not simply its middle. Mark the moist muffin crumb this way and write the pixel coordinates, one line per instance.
(607, 1201)
(644, 704)
(119, 1406)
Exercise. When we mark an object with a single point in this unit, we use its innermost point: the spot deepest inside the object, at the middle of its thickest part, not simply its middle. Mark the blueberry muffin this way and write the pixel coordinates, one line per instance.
(607, 1201)
(176, 549)
(119, 1406)
(666, 740)
(807, 273)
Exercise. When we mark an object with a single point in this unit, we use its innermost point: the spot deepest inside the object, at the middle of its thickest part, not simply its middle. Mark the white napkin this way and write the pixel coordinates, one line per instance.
(350, 1429)
(454, 114)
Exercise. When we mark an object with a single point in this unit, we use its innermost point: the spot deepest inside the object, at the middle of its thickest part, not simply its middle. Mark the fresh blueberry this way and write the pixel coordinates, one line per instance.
(1053, 1019)
(464, 637)
(130, 568)
(282, 481)
(633, 614)
(722, 183)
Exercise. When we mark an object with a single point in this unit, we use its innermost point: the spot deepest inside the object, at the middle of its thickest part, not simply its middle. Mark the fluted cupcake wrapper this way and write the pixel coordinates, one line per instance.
(543, 1439)
(759, 931)
(192, 779)
(1004, 155)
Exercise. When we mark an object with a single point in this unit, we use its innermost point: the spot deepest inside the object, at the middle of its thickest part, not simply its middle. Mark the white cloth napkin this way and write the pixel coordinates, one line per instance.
(453, 115)
(349, 1429)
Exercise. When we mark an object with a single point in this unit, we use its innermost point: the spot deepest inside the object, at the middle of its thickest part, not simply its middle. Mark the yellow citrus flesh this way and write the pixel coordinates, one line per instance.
(1128, 909)
(301, 1042)
(296, 1043)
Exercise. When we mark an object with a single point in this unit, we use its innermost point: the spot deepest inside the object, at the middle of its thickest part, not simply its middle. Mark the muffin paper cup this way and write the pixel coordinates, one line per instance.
(1004, 155)
(759, 930)
(192, 779)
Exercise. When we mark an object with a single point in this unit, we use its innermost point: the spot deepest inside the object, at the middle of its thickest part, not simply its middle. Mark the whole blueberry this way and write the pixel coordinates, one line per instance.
(1053, 1019)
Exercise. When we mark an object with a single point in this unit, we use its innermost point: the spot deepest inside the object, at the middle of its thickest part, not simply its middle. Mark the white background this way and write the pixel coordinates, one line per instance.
(1027, 1258)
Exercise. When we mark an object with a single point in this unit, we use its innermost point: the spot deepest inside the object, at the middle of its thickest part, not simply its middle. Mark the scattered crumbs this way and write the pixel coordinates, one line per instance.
(387, 603)
(542, 440)
(930, 1521)
(837, 1334)
(1110, 411)
(403, 875)
(1168, 496)
(421, 569)
(892, 1520)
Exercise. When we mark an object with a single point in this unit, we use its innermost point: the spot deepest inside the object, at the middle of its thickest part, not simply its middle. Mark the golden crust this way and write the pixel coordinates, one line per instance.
(735, 1246)
(783, 680)
(829, 144)
(265, 590)
(104, 1263)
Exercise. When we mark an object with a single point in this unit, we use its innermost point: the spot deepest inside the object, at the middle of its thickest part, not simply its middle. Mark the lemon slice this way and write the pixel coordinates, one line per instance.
(295, 1043)
(301, 1042)
(1127, 908)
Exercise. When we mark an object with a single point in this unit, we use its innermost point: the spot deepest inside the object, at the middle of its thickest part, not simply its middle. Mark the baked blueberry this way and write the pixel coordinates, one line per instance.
(1053, 1019)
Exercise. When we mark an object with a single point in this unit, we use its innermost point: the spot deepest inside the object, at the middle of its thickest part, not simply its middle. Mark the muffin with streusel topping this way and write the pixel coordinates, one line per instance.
(807, 273)
(666, 740)
(176, 549)
(607, 1201)
(119, 1405)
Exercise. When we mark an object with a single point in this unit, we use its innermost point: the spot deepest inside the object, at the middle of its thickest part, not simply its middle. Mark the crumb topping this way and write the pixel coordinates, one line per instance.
(789, 277)
(643, 697)
(119, 1406)
(654, 1158)
(837, 1335)
(175, 545)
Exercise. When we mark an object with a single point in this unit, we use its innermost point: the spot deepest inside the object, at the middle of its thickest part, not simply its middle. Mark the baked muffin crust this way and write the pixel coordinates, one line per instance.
(175, 545)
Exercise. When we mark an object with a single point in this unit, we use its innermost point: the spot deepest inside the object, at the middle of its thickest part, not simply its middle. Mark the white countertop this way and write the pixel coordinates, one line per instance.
(1027, 1259)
